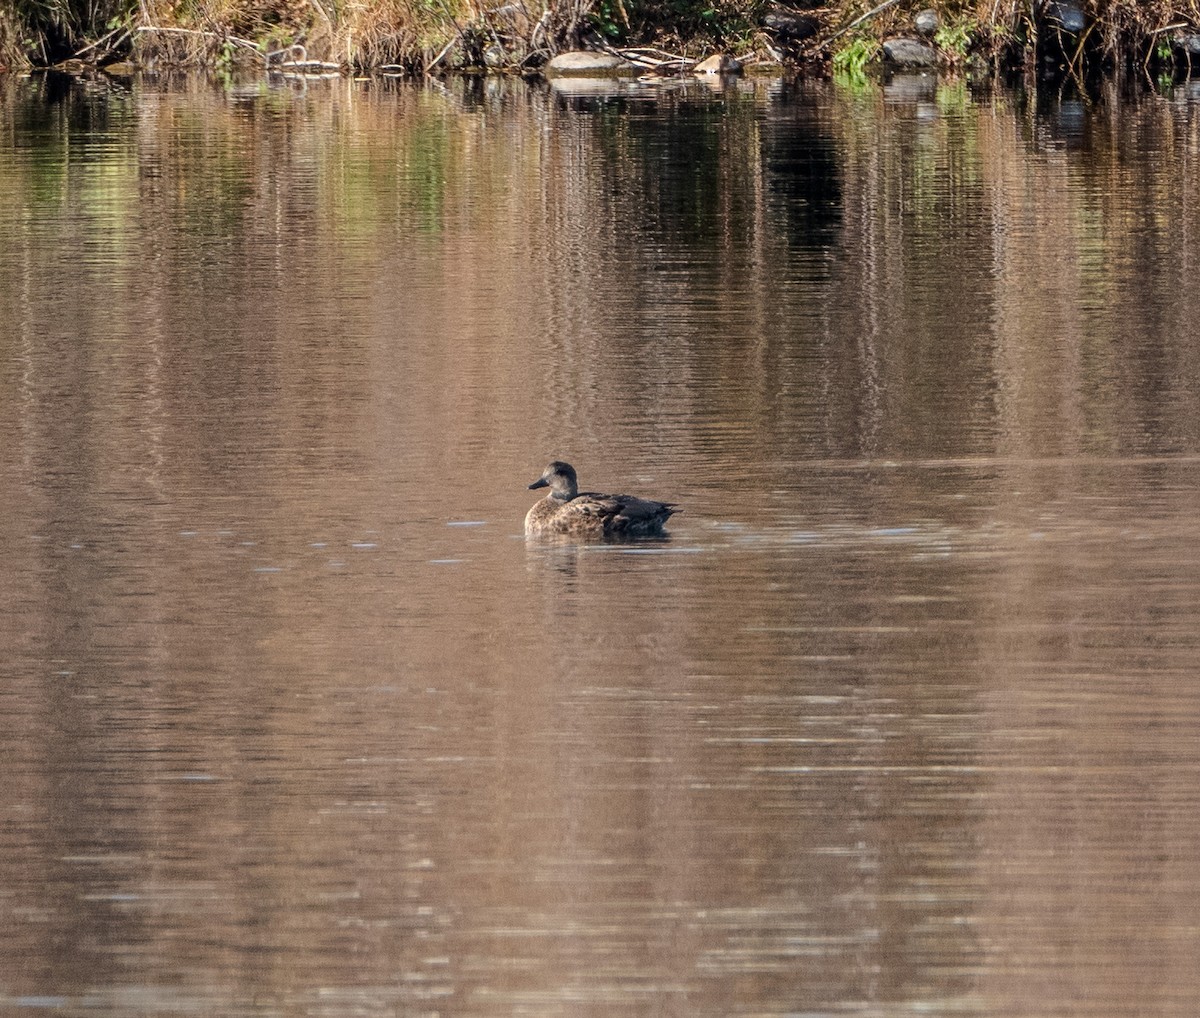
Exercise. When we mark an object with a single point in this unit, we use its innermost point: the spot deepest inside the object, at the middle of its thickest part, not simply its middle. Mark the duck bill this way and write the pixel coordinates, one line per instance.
(541, 482)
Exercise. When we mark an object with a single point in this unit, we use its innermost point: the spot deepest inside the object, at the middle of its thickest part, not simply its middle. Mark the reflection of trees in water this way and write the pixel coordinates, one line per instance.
(802, 173)
(690, 169)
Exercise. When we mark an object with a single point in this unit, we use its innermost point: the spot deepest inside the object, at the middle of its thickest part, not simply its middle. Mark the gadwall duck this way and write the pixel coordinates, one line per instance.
(569, 511)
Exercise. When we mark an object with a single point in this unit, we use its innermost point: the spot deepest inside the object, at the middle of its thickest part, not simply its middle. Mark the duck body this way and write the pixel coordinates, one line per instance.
(569, 512)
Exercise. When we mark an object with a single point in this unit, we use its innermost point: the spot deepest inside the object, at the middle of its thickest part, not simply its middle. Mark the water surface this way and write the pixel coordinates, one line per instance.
(903, 717)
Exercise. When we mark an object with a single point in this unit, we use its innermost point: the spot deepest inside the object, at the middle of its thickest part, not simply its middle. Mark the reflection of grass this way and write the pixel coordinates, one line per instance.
(952, 96)
(851, 81)
(373, 179)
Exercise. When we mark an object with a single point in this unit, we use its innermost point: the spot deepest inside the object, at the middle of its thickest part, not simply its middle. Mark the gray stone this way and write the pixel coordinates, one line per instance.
(1189, 45)
(927, 23)
(586, 64)
(1065, 16)
(718, 63)
(788, 26)
(909, 53)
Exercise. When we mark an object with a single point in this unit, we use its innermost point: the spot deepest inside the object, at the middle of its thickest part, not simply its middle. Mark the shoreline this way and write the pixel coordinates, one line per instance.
(1066, 38)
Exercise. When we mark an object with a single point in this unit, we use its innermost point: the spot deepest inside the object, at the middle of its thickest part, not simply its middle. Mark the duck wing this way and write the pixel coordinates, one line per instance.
(634, 508)
(593, 504)
(623, 514)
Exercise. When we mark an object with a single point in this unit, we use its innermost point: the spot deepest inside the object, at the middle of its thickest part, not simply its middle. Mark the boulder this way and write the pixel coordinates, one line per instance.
(1189, 46)
(1064, 15)
(788, 26)
(927, 23)
(909, 54)
(718, 63)
(585, 64)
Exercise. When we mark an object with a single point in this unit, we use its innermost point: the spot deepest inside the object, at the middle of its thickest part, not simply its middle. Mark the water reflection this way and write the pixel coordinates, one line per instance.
(900, 720)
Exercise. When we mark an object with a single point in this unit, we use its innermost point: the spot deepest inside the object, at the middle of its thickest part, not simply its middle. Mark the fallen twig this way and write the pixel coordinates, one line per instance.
(853, 24)
(103, 39)
(309, 66)
(636, 56)
(652, 49)
(540, 29)
(438, 59)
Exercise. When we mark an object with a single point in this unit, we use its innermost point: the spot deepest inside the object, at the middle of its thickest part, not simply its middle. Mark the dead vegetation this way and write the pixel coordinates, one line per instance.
(413, 36)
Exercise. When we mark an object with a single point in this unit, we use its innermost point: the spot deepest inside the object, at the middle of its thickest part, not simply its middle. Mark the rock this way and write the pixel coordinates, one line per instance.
(1188, 45)
(718, 63)
(927, 23)
(585, 64)
(788, 26)
(909, 53)
(494, 56)
(1065, 16)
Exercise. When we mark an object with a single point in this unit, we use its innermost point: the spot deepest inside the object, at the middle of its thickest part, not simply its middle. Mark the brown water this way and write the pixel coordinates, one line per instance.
(903, 719)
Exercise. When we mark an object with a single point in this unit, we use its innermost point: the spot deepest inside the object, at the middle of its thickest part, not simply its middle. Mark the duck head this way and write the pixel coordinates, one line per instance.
(559, 477)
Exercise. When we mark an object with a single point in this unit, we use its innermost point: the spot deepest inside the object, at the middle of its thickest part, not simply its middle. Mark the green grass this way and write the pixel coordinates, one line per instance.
(850, 62)
(956, 39)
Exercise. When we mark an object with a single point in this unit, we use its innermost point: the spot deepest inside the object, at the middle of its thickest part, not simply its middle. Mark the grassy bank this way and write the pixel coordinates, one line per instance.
(440, 35)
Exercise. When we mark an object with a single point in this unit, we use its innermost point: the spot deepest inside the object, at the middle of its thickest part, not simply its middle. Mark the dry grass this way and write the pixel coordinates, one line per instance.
(1006, 32)
(416, 34)
(1116, 28)
(11, 53)
(357, 34)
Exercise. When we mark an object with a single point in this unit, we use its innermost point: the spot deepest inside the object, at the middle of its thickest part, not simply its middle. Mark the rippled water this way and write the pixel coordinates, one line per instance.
(903, 717)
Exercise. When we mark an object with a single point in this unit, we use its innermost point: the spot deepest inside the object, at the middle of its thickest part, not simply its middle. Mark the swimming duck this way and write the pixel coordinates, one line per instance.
(569, 511)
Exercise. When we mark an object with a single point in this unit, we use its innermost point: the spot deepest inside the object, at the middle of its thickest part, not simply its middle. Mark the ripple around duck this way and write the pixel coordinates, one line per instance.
(923, 535)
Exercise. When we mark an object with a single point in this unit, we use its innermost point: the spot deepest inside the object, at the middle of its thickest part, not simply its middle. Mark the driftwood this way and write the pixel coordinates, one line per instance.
(438, 59)
(653, 59)
(321, 67)
(299, 64)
